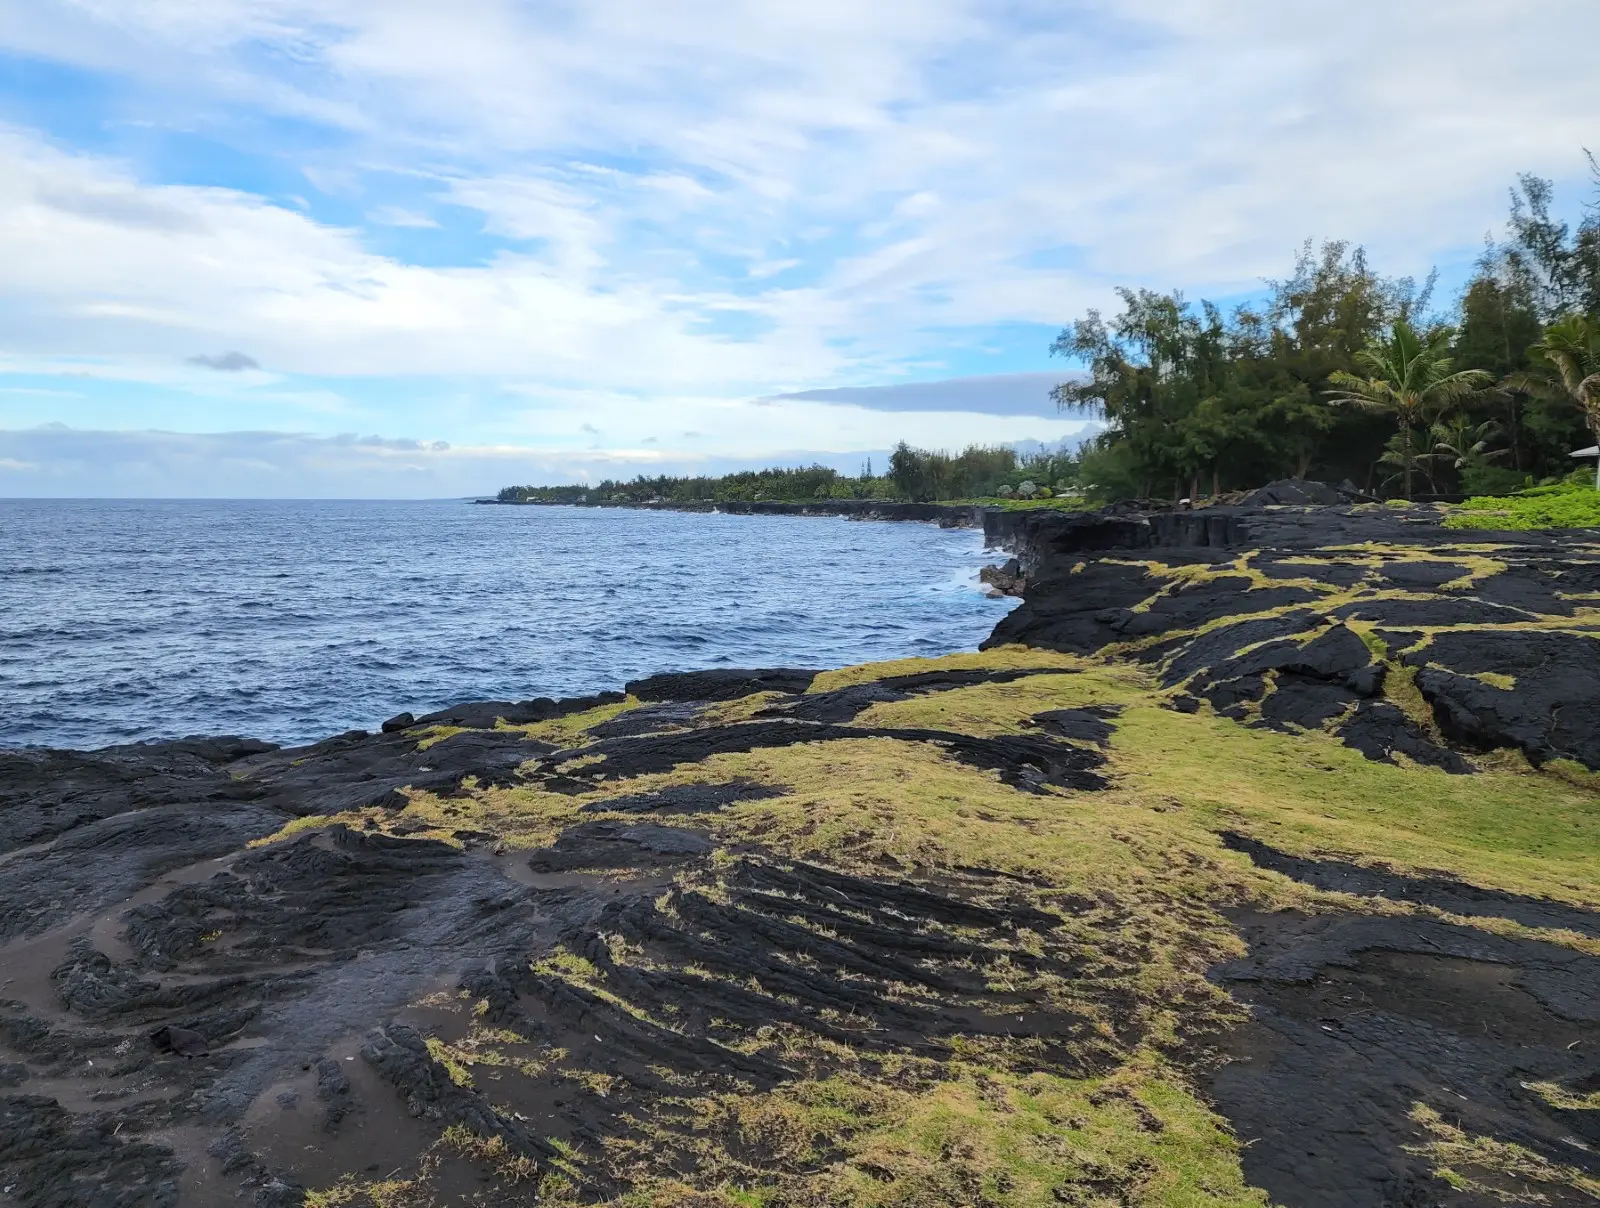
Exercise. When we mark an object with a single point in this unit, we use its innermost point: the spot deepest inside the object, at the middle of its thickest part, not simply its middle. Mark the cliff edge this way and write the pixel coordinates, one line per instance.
(1253, 860)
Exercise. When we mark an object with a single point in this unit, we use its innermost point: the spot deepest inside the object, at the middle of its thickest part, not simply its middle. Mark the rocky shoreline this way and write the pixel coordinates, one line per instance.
(945, 515)
(1253, 857)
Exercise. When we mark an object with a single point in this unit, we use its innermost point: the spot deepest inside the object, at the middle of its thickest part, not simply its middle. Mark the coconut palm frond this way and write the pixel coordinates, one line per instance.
(1462, 443)
(1413, 378)
(1540, 385)
(1567, 366)
(1371, 394)
(1455, 386)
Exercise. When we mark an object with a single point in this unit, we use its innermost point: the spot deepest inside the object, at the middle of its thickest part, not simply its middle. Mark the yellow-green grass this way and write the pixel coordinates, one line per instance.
(437, 734)
(1003, 708)
(1495, 1169)
(1568, 505)
(568, 731)
(1508, 826)
(913, 1135)
(1140, 879)
(874, 804)
(1003, 658)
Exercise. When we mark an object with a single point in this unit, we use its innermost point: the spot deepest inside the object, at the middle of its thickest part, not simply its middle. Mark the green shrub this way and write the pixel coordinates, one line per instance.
(1572, 503)
(1110, 472)
(1483, 479)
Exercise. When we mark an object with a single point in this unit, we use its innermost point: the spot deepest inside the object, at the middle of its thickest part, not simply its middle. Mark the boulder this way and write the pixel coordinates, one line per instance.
(1296, 492)
(485, 714)
(1006, 579)
(720, 684)
(1535, 692)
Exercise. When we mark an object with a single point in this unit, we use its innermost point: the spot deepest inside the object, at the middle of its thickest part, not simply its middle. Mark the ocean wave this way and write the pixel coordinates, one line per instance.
(295, 621)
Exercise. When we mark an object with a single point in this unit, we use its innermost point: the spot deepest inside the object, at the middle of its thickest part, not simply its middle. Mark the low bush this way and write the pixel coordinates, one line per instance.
(1572, 503)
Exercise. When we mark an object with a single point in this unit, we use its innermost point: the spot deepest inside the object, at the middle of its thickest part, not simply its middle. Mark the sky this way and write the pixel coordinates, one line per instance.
(408, 248)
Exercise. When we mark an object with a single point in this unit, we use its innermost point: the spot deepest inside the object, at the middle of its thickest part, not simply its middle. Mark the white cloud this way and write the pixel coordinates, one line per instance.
(851, 192)
(941, 415)
(399, 216)
(111, 266)
(77, 461)
(771, 268)
(63, 462)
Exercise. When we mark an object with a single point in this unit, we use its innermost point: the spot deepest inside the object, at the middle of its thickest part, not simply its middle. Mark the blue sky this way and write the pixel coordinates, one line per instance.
(293, 247)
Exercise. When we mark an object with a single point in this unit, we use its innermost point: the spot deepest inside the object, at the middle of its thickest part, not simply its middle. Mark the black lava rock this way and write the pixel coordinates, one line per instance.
(721, 684)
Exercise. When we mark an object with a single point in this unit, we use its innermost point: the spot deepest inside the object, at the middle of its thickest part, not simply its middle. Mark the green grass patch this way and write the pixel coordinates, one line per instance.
(437, 734)
(1559, 506)
(569, 731)
(1002, 658)
(1524, 831)
(1139, 879)
(963, 1135)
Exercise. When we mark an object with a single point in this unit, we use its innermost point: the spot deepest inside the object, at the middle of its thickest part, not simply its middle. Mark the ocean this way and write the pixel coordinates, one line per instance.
(290, 621)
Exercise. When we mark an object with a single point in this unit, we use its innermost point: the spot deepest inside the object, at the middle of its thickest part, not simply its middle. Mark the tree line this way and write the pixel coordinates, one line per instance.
(780, 483)
(1342, 373)
(978, 472)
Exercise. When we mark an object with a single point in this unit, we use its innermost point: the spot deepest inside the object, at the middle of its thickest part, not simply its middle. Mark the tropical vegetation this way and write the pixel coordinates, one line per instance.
(1573, 503)
(980, 471)
(1336, 372)
(1343, 373)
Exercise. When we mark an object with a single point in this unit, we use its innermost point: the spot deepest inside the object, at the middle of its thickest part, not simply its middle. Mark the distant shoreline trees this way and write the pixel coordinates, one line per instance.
(980, 471)
(1340, 374)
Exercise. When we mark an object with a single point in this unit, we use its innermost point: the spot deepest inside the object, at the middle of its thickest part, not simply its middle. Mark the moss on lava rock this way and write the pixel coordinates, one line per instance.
(1214, 850)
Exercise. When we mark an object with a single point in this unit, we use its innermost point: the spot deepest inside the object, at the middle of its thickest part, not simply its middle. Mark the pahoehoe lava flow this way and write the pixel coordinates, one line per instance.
(1252, 861)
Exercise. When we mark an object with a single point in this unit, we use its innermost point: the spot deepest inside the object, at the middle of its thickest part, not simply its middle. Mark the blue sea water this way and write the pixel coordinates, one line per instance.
(290, 621)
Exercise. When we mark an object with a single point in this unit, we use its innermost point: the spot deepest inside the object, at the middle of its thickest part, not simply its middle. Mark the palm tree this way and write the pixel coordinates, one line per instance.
(1463, 443)
(1411, 379)
(1567, 360)
(1400, 456)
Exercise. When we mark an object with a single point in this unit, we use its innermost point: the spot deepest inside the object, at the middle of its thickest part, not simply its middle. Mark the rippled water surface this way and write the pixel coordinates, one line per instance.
(291, 621)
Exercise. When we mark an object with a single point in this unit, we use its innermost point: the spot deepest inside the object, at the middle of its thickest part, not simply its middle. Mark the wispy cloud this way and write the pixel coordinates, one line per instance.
(749, 199)
(399, 216)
